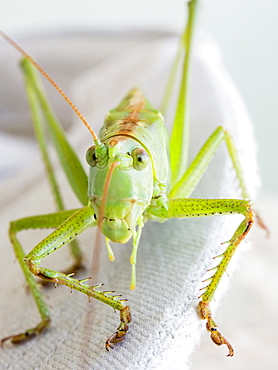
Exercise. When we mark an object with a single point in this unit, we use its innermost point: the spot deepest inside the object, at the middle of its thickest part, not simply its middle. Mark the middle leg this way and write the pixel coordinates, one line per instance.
(188, 207)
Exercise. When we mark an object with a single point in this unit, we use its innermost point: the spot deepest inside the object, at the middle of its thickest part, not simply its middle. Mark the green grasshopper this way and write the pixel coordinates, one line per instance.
(132, 179)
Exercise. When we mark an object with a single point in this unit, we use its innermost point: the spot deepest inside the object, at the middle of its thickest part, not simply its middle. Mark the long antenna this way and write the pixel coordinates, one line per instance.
(53, 83)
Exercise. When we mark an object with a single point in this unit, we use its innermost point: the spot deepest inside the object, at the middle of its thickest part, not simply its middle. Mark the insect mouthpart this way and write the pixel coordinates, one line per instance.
(119, 219)
(114, 220)
(117, 230)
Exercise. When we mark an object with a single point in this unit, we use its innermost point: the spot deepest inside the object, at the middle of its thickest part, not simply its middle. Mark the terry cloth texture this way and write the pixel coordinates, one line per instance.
(173, 257)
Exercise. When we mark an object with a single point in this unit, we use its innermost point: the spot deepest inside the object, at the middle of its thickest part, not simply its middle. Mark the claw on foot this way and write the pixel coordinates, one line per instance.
(218, 339)
(29, 334)
(205, 313)
(119, 335)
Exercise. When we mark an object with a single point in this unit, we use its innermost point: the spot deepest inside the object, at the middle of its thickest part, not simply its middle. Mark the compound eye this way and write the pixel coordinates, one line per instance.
(140, 159)
(91, 156)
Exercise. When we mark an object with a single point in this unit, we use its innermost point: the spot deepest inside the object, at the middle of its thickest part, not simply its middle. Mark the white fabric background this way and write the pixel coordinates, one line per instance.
(173, 257)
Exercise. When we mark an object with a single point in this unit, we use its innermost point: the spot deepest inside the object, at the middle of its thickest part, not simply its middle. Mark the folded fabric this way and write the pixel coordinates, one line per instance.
(173, 257)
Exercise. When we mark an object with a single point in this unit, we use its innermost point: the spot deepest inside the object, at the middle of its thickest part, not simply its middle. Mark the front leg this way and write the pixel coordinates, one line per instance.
(182, 208)
(66, 232)
(72, 227)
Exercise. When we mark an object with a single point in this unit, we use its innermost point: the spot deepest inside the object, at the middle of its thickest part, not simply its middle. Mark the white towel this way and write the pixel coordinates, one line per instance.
(172, 258)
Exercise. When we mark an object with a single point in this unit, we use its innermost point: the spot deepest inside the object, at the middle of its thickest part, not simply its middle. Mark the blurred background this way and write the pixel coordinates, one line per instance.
(246, 32)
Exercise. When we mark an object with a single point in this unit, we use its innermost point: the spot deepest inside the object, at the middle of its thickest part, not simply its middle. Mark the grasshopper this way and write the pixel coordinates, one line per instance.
(136, 174)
